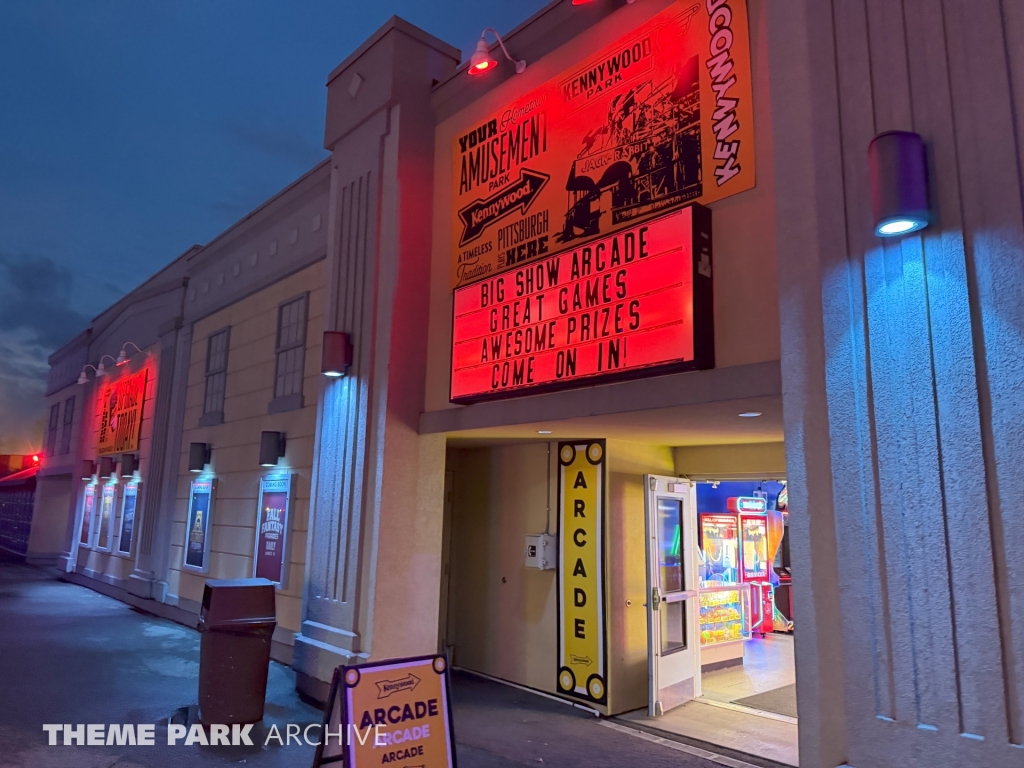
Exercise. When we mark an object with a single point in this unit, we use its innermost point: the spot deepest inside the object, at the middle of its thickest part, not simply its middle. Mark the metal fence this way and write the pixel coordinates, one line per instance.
(16, 518)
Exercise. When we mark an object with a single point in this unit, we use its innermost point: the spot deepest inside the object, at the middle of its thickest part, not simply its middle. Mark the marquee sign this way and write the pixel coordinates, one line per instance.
(582, 636)
(121, 405)
(618, 307)
(660, 118)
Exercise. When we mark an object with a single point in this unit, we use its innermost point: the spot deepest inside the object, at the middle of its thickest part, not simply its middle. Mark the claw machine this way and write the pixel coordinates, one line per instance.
(755, 569)
(723, 624)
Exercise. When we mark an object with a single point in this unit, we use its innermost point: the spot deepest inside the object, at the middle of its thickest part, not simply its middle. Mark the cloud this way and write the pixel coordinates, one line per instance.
(22, 384)
(35, 296)
(276, 143)
(35, 318)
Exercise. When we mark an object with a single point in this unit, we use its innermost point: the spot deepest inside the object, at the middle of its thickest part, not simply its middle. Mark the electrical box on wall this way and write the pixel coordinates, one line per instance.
(540, 551)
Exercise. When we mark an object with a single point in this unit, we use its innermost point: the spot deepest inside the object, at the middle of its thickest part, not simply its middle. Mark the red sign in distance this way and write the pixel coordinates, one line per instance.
(616, 307)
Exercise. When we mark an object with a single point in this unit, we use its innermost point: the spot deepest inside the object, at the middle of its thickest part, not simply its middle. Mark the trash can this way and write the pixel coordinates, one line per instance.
(236, 623)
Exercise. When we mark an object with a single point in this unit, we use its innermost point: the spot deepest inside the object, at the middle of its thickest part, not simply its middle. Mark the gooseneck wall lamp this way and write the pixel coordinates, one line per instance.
(83, 377)
(101, 369)
(481, 61)
(123, 355)
(899, 183)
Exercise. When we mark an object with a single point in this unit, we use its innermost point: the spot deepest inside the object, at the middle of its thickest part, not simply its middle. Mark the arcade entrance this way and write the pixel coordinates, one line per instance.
(720, 652)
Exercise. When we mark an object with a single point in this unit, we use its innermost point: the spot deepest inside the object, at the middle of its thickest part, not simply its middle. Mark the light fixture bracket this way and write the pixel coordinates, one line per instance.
(482, 61)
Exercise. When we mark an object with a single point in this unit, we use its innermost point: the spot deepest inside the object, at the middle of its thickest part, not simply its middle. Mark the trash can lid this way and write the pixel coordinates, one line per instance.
(229, 602)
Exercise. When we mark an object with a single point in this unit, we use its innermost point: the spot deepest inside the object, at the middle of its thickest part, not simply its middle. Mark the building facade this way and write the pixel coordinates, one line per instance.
(637, 400)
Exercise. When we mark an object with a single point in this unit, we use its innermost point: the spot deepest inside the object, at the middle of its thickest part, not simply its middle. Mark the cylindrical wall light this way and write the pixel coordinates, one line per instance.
(899, 183)
(129, 463)
(198, 456)
(106, 466)
(272, 445)
(336, 353)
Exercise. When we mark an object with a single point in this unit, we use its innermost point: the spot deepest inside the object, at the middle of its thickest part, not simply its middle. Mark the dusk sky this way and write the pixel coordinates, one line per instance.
(131, 130)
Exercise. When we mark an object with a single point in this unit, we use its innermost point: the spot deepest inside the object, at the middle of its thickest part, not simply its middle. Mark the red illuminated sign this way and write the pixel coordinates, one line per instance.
(619, 307)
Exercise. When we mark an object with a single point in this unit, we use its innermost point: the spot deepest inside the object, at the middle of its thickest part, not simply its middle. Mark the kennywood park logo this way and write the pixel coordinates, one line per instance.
(480, 214)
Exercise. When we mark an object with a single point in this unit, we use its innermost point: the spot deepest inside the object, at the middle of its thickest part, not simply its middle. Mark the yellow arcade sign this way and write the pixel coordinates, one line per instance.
(392, 713)
(582, 640)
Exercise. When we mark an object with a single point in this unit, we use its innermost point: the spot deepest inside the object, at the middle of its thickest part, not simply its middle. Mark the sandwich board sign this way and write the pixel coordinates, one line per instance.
(389, 713)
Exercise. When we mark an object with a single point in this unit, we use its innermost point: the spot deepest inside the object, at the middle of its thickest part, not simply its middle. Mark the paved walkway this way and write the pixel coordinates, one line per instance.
(71, 655)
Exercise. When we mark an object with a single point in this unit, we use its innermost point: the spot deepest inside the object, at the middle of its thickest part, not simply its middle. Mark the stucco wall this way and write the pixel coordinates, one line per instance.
(113, 567)
(758, 461)
(49, 517)
(502, 615)
(235, 443)
(627, 569)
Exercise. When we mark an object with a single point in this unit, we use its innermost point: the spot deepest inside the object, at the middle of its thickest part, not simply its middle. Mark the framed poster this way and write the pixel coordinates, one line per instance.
(396, 711)
(582, 625)
(121, 403)
(197, 526)
(270, 558)
(105, 519)
(88, 510)
(129, 505)
(659, 118)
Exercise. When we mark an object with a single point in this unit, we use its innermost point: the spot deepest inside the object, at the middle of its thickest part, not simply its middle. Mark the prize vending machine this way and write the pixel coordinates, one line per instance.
(722, 617)
(756, 560)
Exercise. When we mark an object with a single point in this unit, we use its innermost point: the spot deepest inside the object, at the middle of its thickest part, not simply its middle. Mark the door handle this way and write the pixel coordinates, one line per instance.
(655, 598)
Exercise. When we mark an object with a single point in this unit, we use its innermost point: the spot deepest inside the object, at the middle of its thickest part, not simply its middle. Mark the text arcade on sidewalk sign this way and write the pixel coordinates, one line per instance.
(582, 634)
(658, 119)
(616, 307)
(389, 713)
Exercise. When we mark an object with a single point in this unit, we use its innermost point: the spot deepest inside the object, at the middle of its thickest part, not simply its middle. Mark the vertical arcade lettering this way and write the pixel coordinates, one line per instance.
(582, 638)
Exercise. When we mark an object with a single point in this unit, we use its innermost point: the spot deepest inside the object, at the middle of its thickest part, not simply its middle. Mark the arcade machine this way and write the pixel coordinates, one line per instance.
(752, 512)
(738, 546)
(722, 616)
(783, 570)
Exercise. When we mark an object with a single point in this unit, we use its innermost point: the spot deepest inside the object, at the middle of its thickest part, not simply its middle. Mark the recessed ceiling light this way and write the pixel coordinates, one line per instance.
(750, 414)
(543, 431)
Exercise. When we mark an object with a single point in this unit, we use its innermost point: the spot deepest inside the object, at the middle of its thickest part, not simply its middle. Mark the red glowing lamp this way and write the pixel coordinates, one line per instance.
(482, 61)
(35, 458)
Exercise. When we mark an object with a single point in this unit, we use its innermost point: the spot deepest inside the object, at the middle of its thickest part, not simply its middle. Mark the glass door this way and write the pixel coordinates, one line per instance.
(671, 594)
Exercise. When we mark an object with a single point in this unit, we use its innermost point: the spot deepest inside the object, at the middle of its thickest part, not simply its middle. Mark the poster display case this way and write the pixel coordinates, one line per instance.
(270, 557)
(129, 505)
(197, 528)
(88, 509)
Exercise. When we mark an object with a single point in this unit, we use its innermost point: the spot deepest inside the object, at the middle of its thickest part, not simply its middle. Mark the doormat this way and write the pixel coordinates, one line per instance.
(781, 701)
